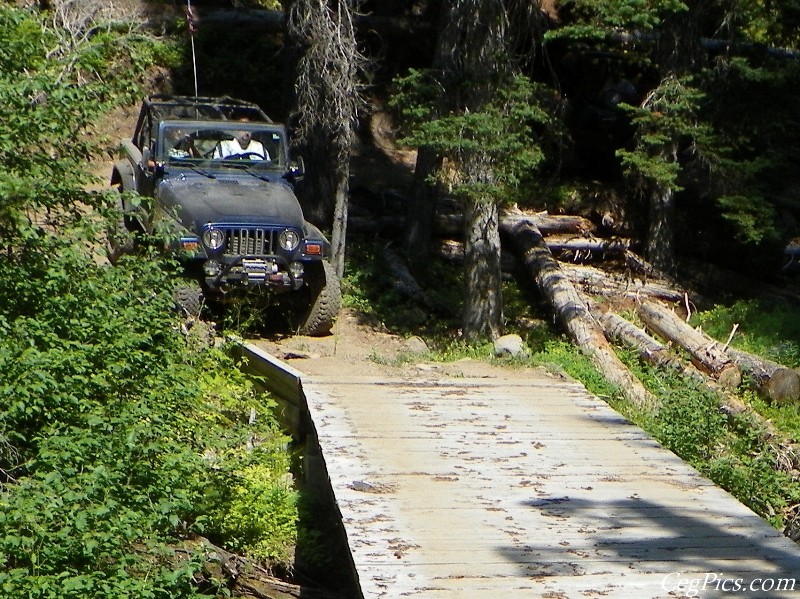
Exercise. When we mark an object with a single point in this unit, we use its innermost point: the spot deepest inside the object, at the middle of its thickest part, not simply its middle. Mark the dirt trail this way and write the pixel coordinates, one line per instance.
(358, 348)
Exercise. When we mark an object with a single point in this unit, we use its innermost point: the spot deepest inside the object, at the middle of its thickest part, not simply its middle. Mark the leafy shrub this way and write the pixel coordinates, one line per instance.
(689, 423)
(260, 515)
(113, 417)
(118, 436)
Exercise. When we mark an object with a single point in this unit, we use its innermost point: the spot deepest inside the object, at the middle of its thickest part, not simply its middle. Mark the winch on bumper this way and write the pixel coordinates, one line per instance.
(252, 272)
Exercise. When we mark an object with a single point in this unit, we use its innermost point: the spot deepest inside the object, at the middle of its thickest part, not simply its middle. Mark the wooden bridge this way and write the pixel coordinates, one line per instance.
(455, 482)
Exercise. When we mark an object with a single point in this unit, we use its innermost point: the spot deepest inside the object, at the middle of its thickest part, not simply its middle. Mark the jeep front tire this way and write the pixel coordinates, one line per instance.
(325, 299)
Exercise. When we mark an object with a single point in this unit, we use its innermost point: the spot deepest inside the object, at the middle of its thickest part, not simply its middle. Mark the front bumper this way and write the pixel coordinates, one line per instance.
(248, 272)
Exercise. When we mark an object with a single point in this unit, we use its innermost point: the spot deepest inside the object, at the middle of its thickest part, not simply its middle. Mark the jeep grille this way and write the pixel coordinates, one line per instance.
(249, 242)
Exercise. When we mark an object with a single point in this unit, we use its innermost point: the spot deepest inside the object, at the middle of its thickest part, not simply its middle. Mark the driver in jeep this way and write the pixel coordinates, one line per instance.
(242, 145)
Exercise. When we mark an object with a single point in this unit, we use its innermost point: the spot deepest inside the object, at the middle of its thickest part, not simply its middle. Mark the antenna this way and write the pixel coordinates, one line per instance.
(191, 21)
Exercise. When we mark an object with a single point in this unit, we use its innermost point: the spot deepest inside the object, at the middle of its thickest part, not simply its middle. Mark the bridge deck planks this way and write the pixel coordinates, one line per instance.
(466, 487)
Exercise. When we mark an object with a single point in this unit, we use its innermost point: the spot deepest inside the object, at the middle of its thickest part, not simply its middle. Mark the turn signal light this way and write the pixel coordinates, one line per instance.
(313, 249)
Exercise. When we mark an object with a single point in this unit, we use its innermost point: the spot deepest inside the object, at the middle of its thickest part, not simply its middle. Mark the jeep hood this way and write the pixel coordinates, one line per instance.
(230, 200)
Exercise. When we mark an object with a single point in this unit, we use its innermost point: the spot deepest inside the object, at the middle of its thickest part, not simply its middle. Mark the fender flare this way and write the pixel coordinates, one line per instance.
(124, 178)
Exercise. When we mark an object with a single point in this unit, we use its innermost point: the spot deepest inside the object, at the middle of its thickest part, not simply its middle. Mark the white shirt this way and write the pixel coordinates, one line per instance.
(230, 147)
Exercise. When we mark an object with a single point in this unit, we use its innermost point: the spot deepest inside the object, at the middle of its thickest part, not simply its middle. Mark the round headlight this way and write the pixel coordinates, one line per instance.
(288, 240)
(213, 239)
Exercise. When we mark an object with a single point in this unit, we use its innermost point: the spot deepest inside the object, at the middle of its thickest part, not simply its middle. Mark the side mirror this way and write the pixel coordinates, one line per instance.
(297, 169)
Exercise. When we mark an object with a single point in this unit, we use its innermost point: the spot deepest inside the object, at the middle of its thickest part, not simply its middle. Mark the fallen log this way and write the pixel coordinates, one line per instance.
(588, 279)
(530, 246)
(641, 266)
(548, 224)
(617, 328)
(654, 352)
(598, 282)
(775, 381)
(452, 224)
(588, 245)
(245, 578)
(704, 351)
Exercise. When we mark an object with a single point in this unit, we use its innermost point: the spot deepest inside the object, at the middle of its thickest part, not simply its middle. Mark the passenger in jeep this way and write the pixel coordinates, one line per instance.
(181, 145)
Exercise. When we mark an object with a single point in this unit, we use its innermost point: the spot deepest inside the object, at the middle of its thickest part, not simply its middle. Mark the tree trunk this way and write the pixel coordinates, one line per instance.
(483, 300)
(705, 351)
(327, 107)
(422, 208)
(339, 229)
(660, 251)
(573, 313)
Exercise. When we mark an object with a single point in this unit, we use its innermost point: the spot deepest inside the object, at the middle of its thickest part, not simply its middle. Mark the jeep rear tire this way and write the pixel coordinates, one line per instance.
(325, 299)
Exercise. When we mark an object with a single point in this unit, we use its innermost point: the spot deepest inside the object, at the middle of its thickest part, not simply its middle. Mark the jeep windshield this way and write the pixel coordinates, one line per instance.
(222, 144)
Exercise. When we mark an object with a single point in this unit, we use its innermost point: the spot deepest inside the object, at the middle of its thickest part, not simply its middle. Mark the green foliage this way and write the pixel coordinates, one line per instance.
(260, 516)
(48, 102)
(23, 43)
(119, 436)
(597, 20)
(563, 355)
(769, 329)
(689, 422)
(126, 440)
(503, 136)
(752, 216)
(772, 22)
(754, 179)
(665, 122)
(369, 288)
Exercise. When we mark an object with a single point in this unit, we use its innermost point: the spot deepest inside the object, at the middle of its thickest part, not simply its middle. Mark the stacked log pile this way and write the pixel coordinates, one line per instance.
(716, 365)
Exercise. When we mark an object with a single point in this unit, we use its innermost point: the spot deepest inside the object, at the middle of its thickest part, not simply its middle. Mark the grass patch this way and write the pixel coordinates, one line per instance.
(768, 329)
